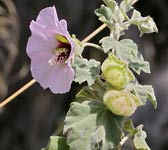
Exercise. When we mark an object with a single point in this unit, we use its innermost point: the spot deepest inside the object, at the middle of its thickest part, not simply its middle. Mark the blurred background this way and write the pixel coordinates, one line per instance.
(28, 121)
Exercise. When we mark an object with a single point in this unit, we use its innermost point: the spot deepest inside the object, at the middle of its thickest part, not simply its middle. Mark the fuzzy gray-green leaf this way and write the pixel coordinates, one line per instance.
(94, 92)
(138, 64)
(122, 46)
(145, 24)
(86, 70)
(144, 92)
(90, 118)
(110, 14)
(57, 143)
(105, 15)
(126, 50)
(126, 5)
(139, 139)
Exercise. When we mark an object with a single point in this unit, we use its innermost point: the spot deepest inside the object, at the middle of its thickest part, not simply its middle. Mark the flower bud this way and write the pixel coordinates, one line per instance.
(121, 103)
(116, 72)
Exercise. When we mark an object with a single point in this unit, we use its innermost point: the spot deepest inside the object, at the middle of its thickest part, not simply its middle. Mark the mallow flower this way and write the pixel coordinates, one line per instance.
(51, 50)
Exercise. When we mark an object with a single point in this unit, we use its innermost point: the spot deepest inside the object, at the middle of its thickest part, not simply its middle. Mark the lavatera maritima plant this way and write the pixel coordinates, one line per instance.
(98, 119)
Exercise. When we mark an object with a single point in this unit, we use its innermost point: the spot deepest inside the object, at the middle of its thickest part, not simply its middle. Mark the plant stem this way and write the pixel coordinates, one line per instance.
(93, 45)
(94, 33)
(21, 90)
(123, 141)
(30, 83)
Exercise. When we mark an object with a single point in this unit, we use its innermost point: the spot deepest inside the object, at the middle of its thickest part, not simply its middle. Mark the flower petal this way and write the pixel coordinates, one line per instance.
(48, 17)
(61, 78)
(63, 25)
(58, 78)
(72, 48)
(40, 41)
(40, 71)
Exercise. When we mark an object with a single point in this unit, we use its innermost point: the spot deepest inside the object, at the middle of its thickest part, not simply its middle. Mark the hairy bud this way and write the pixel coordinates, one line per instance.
(116, 72)
(121, 103)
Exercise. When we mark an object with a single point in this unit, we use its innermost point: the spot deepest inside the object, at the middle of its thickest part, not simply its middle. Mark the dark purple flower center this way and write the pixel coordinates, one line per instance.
(62, 51)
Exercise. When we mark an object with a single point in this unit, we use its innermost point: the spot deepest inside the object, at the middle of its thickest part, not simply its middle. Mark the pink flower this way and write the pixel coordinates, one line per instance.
(51, 49)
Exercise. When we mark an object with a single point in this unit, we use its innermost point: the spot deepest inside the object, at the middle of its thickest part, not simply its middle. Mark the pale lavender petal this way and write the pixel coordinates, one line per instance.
(40, 71)
(37, 28)
(61, 78)
(63, 25)
(40, 41)
(57, 78)
(48, 17)
(72, 48)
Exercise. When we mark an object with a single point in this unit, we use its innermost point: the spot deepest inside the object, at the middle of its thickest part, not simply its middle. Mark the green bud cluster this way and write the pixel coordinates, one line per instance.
(118, 75)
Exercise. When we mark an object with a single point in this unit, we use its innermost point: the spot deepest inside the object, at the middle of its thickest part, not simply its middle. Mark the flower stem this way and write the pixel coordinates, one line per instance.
(93, 45)
(30, 83)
